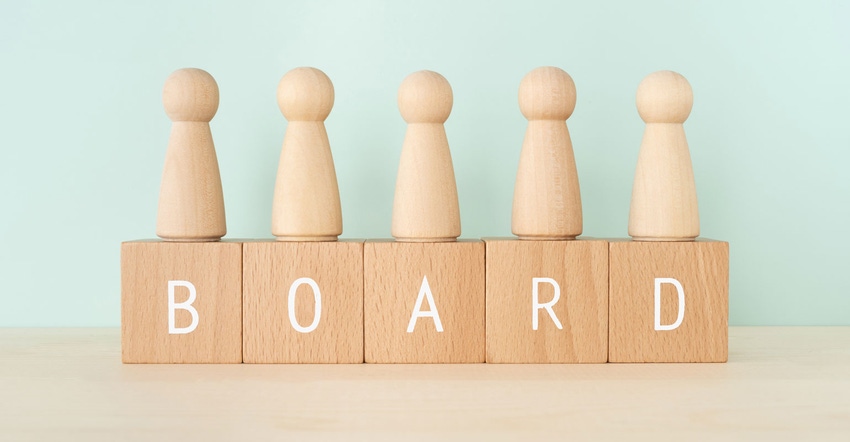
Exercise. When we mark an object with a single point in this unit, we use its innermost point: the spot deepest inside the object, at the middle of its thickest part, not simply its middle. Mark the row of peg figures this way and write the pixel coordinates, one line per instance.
(547, 200)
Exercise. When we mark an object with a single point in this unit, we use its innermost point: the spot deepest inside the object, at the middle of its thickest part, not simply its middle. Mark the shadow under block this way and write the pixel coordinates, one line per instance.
(281, 274)
(575, 272)
(696, 272)
(157, 275)
(401, 275)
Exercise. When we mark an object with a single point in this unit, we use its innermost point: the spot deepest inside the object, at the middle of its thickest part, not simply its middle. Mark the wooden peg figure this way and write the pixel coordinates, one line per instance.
(547, 200)
(425, 208)
(306, 196)
(664, 198)
(191, 202)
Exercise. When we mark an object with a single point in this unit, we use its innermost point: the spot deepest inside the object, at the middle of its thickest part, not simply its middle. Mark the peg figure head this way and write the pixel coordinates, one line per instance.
(305, 94)
(425, 97)
(547, 93)
(190, 95)
(664, 97)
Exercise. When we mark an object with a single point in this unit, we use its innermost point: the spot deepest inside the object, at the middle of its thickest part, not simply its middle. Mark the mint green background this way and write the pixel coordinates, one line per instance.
(83, 133)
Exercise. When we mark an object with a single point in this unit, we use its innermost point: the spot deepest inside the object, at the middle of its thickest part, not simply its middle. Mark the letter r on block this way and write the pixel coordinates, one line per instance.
(536, 305)
(185, 305)
(680, 315)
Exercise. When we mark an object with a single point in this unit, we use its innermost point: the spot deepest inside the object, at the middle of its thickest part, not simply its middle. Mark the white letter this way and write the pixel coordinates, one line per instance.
(536, 305)
(425, 290)
(185, 305)
(317, 312)
(681, 314)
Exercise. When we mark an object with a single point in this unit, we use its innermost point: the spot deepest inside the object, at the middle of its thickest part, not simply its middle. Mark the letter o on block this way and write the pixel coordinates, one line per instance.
(317, 297)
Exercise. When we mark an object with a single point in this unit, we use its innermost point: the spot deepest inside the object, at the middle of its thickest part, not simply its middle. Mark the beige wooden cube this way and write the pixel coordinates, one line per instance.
(547, 301)
(424, 302)
(181, 302)
(669, 301)
(303, 302)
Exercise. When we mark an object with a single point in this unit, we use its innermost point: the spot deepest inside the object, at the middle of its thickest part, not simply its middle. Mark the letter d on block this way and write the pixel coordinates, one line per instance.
(681, 314)
(185, 305)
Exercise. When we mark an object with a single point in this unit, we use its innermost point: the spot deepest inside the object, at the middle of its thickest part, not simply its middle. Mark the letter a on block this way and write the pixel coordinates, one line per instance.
(317, 311)
(536, 305)
(185, 305)
(681, 314)
(425, 290)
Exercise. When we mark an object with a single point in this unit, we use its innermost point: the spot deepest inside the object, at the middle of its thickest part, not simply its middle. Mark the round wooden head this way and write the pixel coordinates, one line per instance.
(664, 97)
(425, 97)
(547, 93)
(305, 94)
(190, 95)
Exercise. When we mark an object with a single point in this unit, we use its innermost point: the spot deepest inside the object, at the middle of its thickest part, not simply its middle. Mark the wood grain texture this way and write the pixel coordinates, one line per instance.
(702, 268)
(664, 197)
(781, 383)
(215, 270)
(306, 203)
(270, 269)
(393, 275)
(191, 201)
(580, 269)
(547, 199)
(425, 207)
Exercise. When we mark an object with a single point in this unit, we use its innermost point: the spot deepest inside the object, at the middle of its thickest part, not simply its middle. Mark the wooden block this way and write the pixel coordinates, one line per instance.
(155, 274)
(399, 276)
(697, 272)
(575, 272)
(284, 283)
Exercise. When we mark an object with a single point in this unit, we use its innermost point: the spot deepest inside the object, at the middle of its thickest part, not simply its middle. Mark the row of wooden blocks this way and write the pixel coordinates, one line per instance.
(380, 301)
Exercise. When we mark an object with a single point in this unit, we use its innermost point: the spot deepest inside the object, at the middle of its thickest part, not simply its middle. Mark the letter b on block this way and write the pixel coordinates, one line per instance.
(181, 302)
(185, 305)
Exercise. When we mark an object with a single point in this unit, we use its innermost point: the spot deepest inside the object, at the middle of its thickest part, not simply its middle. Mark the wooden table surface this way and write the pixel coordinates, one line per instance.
(780, 384)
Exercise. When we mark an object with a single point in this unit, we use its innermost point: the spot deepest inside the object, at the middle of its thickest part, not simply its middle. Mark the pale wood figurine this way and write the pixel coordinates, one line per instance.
(306, 196)
(547, 200)
(425, 208)
(191, 202)
(664, 197)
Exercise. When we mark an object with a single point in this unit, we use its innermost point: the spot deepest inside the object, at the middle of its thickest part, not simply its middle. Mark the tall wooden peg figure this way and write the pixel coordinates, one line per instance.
(306, 203)
(181, 298)
(303, 294)
(191, 202)
(424, 292)
(668, 290)
(425, 208)
(664, 196)
(547, 200)
(547, 293)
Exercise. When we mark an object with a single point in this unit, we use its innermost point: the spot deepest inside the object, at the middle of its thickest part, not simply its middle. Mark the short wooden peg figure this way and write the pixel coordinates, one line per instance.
(425, 208)
(191, 202)
(303, 293)
(547, 293)
(306, 195)
(669, 290)
(664, 196)
(547, 200)
(424, 292)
